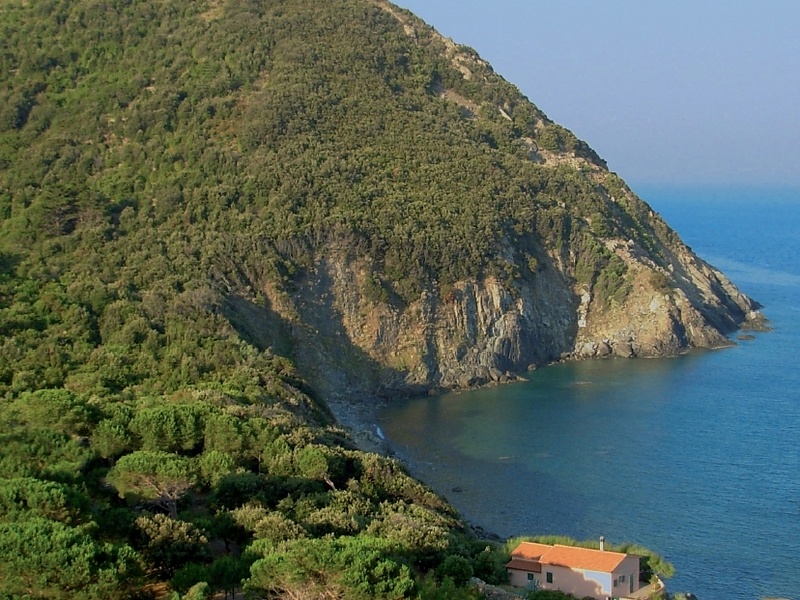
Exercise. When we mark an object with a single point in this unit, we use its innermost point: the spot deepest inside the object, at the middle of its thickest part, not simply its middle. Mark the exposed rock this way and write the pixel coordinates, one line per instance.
(496, 374)
(588, 277)
(465, 381)
(486, 330)
(755, 321)
(622, 349)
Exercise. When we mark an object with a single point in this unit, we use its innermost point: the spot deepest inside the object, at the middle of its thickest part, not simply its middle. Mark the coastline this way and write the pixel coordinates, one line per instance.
(750, 380)
(357, 412)
(359, 418)
(357, 415)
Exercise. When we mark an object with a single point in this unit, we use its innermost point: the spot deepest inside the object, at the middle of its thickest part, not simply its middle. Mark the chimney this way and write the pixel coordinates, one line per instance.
(602, 543)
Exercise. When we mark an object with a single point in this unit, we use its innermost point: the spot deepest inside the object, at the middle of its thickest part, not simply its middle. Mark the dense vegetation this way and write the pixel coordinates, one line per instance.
(99, 496)
(158, 157)
(201, 135)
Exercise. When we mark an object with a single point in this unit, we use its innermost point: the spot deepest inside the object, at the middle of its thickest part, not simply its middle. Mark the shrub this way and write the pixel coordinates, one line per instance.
(457, 568)
(168, 544)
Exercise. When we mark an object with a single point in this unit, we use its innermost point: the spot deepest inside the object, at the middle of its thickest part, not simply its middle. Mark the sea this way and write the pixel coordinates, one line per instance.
(695, 457)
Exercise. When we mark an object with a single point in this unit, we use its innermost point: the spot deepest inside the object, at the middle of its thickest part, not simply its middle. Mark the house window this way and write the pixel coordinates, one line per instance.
(530, 576)
(622, 578)
(616, 583)
(549, 577)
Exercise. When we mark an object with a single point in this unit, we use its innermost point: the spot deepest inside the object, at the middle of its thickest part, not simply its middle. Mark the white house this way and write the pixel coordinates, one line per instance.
(578, 571)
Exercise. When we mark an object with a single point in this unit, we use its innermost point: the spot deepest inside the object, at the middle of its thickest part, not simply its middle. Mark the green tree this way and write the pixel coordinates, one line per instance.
(158, 477)
(277, 528)
(111, 439)
(199, 591)
(40, 557)
(214, 465)
(364, 566)
(21, 496)
(430, 589)
(224, 433)
(456, 568)
(167, 543)
(226, 574)
(170, 427)
(43, 452)
(187, 576)
(59, 410)
(313, 462)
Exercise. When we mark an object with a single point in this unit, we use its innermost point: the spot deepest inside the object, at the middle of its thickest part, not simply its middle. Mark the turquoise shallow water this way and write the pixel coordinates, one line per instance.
(697, 457)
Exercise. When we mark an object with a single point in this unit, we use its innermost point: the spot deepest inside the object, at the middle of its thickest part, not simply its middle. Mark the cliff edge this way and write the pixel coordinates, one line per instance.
(390, 215)
(559, 260)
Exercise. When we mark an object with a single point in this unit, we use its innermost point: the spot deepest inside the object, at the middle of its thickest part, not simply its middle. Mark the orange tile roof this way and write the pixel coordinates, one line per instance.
(571, 557)
(584, 558)
(530, 550)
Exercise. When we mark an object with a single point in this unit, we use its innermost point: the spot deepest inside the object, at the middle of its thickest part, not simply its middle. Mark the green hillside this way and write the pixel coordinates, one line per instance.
(162, 161)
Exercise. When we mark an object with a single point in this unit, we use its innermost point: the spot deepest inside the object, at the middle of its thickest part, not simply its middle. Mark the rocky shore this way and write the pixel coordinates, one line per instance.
(358, 416)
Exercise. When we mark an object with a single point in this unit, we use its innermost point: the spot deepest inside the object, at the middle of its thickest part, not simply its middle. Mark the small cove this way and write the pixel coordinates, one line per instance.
(697, 457)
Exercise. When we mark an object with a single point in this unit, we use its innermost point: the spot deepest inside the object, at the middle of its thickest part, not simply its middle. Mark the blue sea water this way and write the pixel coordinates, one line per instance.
(696, 457)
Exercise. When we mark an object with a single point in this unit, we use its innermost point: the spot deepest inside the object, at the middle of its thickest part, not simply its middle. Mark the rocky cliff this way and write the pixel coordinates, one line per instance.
(586, 269)
(486, 330)
(390, 215)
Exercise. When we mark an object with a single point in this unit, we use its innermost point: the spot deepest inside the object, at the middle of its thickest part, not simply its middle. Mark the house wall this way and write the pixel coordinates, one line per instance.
(582, 583)
(629, 568)
(520, 578)
(576, 582)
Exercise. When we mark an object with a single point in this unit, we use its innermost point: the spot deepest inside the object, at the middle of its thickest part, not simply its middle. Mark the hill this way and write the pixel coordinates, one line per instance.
(220, 219)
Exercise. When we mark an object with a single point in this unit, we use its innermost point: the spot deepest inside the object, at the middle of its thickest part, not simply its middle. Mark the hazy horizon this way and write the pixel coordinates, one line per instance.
(679, 93)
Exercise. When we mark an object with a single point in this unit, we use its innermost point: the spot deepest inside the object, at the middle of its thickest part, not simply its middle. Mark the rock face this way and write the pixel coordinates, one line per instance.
(390, 215)
(483, 331)
(579, 266)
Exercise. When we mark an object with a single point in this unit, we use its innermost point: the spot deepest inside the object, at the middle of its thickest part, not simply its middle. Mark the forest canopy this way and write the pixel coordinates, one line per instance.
(158, 158)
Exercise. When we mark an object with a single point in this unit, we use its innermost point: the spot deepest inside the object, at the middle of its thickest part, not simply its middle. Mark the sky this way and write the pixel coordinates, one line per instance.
(668, 92)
